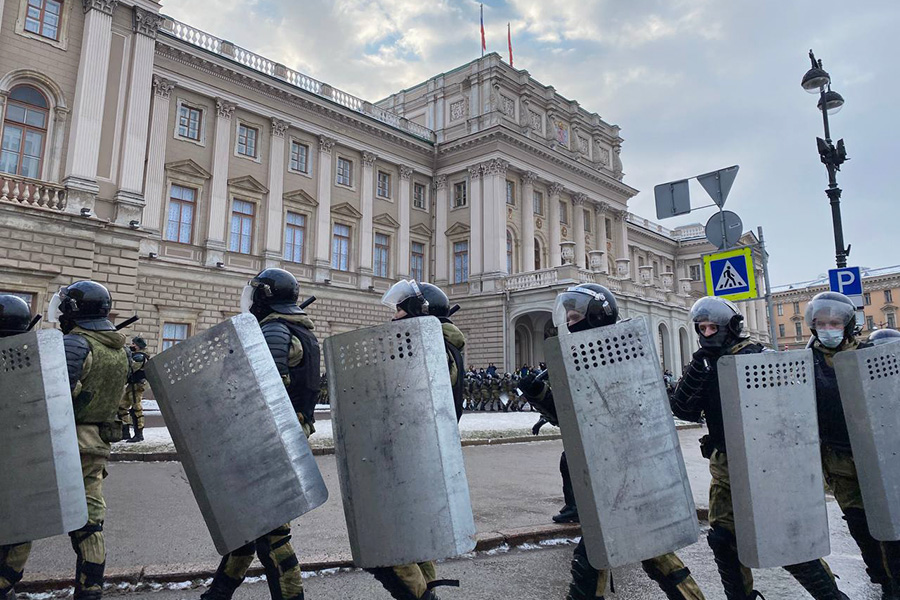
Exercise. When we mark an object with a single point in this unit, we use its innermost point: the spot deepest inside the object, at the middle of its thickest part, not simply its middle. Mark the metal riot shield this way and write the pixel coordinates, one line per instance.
(634, 498)
(237, 435)
(400, 463)
(772, 434)
(42, 493)
(869, 380)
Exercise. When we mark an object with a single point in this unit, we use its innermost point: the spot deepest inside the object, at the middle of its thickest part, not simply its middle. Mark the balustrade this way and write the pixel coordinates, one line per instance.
(31, 192)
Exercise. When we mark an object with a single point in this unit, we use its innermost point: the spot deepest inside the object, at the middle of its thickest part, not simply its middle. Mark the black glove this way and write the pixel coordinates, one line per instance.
(536, 430)
(529, 386)
(703, 356)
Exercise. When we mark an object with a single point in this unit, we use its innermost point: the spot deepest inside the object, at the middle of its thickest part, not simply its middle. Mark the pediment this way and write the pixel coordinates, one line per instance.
(889, 307)
(187, 168)
(458, 229)
(300, 197)
(248, 184)
(421, 229)
(345, 209)
(386, 220)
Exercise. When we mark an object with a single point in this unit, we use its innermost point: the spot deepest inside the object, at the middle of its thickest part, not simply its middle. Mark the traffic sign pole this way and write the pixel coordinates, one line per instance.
(770, 302)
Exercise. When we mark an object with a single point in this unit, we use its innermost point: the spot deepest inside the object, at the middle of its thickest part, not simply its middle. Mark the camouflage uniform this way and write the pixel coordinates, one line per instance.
(495, 402)
(134, 392)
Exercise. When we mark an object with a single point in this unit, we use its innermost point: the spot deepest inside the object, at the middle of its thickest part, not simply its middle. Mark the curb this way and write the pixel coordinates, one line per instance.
(163, 574)
(329, 450)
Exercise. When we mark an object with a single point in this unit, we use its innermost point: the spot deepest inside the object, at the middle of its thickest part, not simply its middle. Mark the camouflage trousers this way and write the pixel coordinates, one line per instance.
(277, 556)
(132, 404)
(406, 581)
(12, 565)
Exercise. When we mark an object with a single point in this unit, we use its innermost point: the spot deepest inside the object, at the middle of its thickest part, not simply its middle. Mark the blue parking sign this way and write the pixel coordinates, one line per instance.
(847, 281)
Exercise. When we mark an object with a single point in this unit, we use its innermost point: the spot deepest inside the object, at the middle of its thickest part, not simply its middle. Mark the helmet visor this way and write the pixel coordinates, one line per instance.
(571, 308)
(827, 313)
(54, 309)
(400, 291)
(713, 310)
(247, 298)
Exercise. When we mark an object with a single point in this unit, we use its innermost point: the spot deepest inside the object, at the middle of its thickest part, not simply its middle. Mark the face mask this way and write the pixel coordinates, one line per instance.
(715, 341)
(830, 338)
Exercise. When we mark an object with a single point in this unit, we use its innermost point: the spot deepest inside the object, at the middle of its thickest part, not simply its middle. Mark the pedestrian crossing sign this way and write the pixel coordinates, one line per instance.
(730, 274)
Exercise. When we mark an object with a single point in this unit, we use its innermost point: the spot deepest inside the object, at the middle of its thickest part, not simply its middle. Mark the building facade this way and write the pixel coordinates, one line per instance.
(881, 296)
(172, 166)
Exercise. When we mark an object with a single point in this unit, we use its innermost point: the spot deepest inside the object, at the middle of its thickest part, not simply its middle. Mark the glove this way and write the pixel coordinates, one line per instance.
(536, 430)
(703, 356)
(529, 386)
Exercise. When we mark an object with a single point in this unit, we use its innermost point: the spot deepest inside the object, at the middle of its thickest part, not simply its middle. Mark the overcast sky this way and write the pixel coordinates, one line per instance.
(695, 85)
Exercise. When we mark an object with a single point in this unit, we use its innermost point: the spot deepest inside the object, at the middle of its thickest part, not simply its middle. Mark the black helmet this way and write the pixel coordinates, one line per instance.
(834, 308)
(273, 290)
(85, 304)
(438, 302)
(596, 305)
(139, 342)
(15, 315)
(884, 336)
(725, 315)
(409, 296)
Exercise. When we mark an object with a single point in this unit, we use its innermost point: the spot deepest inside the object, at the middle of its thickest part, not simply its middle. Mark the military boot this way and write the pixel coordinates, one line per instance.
(138, 436)
(568, 514)
(585, 578)
(869, 547)
(722, 543)
(817, 580)
(126, 431)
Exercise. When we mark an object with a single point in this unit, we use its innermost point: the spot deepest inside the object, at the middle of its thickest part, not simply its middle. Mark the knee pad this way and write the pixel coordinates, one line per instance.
(79, 535)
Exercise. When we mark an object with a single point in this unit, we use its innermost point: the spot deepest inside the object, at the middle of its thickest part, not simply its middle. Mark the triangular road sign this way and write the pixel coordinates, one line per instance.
(718, 183)
(730, 279)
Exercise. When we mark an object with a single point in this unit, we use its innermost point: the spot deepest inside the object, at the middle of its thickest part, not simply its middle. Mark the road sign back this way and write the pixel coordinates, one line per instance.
(847, 281)
(730, 274)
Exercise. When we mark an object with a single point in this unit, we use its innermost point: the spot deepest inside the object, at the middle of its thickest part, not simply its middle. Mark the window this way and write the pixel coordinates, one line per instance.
(189, 120)
(180, 225)
(888, 297)
(299, 157)
(382, 255)
(294, 235)
(247, 137)
(537, 254)
(241, 226)
(459, 194)
(867, 299)
(563, 213)
(344, 172)
(694, 272)
(43, 18)
(340, 247)
(587, 221)
(798, 329)
(420, 196)
(24, 132)
(510, 193)
(781, 330)
(174, 333)
(538, 201)
(384, 185)
(870, 322)
(891, 321)
(417, 261)
(460, 262)
(509, 252)
(780, 308)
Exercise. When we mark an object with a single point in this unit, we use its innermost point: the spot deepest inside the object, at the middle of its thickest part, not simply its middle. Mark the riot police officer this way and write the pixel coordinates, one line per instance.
(271, 297)
(412, 299)
(720, 327)
(132, 409)
(15, 319)
(588, 306)
(884, 336)
(832, 319)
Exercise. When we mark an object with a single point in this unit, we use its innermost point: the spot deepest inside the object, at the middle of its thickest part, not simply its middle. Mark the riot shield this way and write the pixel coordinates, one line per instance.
(42, 493)
(237, 435)
(869, 380)
(400, 463)
(634, 498)
(772, 434)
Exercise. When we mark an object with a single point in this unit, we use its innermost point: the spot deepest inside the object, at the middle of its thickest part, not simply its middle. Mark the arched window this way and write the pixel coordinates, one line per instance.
(24, 132)
(509, 252)
(537, 254)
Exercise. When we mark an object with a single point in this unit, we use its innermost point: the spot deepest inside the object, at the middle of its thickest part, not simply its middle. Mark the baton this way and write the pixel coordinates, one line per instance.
(126, 323)
(453, 310)
(34, 322)
(307, 302)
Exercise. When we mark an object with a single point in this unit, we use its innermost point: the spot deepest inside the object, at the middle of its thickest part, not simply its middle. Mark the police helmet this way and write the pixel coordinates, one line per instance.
(588, 305)
(273, 290)
(833, 308)
(85, 304)
(409, 296)
(15, 315)
(884, 336)
(438, 302)
(139, 342)
(722, 313)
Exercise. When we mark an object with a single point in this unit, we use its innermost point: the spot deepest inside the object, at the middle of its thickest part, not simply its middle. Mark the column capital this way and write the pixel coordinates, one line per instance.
(279, 127)
(555, 189)
(602, 207)
(326, 144)
(369, 158)
(224, 108)
(440, 182)
(579, 199)
(162, 87)
(529, 177)
(476, 171)
(405, 172)
(104, 6)
(496, 166)
(146, 23)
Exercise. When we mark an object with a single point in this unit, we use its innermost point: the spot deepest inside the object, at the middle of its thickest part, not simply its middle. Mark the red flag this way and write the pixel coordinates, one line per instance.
(509, 41)
(483, 44)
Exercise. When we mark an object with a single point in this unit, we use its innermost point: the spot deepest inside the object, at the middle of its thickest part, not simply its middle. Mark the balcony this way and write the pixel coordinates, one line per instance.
(32, 192)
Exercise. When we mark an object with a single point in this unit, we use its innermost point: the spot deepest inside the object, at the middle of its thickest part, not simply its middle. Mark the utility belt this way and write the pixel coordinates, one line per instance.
(110, 431)
(708, 445)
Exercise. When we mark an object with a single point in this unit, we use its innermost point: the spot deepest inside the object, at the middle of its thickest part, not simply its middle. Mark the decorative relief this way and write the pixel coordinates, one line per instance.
(106, 6)
(508, 106)
(459, 109)
(617, 163)
(145, 22)
(602, 207)
(565, 231)
(368, 159)
(535, 120)
(579, 199)
(279, 127)
(475, 171)
(529, 178)
(440, 182)
(562, 133)
(603, 157)
(224, 108)
(567, 252)
(326, 144)
(555, 189)
(583, 145)
(405, 172)
(495, 167)
(539, 223)
(162, 87)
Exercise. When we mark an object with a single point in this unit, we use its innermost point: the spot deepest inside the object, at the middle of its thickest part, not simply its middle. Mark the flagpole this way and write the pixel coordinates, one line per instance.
(482, 31)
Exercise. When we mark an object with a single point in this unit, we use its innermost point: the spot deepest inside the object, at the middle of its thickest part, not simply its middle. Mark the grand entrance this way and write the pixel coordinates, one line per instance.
(531, 329)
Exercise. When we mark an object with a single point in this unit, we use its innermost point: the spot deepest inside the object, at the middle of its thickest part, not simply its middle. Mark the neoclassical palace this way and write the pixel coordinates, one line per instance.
(172, 165)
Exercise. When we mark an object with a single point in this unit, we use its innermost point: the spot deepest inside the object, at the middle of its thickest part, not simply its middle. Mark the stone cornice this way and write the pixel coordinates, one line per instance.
(146, 23)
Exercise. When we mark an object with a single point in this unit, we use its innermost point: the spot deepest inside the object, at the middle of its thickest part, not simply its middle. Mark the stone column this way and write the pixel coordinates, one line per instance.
(602, 234)
(578, 201)
(622, 252)
(218, 193)
(751, 316)
(554, 225)
(367, 208)
(87, 108)
(130, 196)
(274, 251)
(1, 25)
(441, 207)
(527, 208)
(323, 211)
(155, 184)
(476, 226)
(494, 206)
(403, 213)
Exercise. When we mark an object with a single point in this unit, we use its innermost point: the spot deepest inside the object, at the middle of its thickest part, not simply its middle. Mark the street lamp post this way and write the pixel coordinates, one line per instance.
(818, 81)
